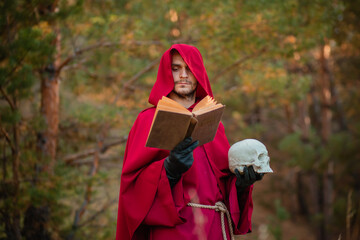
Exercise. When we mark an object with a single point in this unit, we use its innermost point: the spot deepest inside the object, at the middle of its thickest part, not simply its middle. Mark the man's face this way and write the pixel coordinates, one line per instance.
(184, 80)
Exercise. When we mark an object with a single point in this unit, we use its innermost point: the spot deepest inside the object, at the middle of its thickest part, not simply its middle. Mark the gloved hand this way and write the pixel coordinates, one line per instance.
(180, 160)
(243, 181)
(246, 179)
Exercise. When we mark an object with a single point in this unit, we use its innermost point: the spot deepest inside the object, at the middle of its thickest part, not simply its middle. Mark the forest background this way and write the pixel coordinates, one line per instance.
(74, 75)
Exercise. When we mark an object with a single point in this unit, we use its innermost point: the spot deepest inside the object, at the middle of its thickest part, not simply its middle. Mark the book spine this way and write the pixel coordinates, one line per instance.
(192, 126)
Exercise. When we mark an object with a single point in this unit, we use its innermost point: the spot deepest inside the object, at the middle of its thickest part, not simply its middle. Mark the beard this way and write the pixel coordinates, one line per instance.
(185, 94)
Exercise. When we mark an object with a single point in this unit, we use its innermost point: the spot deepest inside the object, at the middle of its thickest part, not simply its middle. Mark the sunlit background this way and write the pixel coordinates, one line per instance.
(75, 74)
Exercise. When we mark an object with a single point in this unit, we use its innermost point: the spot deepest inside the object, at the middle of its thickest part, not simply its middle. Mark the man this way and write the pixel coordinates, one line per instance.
(185, 193)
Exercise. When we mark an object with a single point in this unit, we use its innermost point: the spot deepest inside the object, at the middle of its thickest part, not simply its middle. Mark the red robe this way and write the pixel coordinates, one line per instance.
(148, 207)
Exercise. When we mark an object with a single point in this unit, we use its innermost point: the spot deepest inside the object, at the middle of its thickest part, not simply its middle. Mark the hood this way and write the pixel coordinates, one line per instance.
(165, 82)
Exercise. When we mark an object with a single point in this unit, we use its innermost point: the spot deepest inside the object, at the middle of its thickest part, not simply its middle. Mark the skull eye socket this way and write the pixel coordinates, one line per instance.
(262, 157)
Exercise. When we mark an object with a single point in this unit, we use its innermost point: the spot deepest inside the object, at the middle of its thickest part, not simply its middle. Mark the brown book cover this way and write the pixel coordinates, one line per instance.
(172, 123)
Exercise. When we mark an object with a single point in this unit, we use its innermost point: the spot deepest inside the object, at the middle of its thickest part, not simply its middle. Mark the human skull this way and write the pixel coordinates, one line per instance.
(249, 152)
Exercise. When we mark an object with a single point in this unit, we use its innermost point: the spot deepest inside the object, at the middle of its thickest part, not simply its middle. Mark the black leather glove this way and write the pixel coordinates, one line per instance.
(243, 181)
(180, 160)
(246, 179)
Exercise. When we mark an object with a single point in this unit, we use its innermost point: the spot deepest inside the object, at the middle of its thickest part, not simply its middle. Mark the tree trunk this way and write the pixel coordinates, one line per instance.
(325, 94)
(304, 119)
(37, 217)
(50, 107)
(16, 176)
(326, 117)
(315, 199)
(11, 213)
(289, 117)
(35, 223)
(301, 194)
(335, 99)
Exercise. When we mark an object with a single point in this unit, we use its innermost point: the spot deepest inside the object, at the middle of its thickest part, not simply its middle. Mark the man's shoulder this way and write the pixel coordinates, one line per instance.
(147, 111)
(144, 118)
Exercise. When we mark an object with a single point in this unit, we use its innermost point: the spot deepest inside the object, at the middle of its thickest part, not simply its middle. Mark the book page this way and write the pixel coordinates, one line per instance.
(175, 110)
(207, 109)
(206, 101)
(206, 104)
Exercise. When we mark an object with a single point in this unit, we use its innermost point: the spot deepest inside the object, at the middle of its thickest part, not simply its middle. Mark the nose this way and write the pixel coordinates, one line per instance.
(183, 73)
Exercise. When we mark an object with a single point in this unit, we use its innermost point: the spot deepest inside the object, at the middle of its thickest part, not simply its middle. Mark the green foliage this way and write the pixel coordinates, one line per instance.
(22, 81)
(9, 116)
(305, 154)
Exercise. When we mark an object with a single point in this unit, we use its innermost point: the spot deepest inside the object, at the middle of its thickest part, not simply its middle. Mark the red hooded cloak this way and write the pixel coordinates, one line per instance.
(148, 207)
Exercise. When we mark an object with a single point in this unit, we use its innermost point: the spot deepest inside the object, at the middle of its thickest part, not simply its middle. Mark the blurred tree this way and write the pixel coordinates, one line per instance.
(28, 47)
(21, 37)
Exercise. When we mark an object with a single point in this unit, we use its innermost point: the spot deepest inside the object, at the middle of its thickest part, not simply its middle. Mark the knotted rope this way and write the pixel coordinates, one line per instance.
(219, 207)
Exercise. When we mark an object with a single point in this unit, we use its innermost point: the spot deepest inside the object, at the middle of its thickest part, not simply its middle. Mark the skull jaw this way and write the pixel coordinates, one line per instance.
(258, 169)
(262, 169)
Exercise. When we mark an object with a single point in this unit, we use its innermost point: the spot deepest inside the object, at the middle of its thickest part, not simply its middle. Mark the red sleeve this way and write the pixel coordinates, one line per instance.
(144, 186)
(241, 219)
(217, 151)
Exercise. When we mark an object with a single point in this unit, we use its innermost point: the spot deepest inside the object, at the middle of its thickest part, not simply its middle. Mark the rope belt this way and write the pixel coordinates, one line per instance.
(219, 207)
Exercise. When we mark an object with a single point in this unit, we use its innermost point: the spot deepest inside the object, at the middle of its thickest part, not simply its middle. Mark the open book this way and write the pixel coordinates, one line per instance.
(172, 123)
